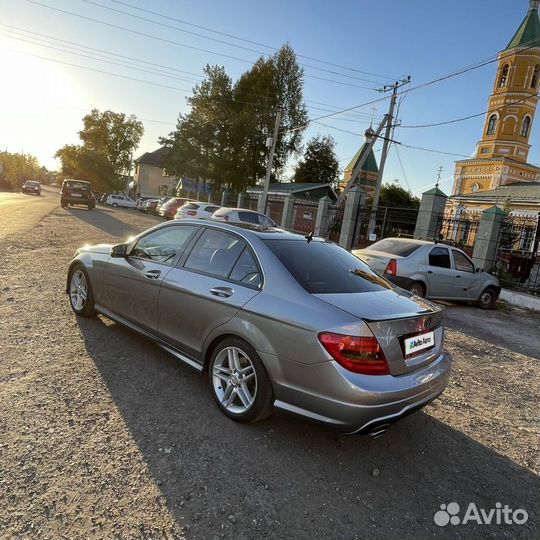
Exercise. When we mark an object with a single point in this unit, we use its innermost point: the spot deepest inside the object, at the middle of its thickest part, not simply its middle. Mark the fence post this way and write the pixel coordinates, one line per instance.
(355, 198)
(243, 200)
(224, 196)
(321, 221)
(487, 238)
(288, 212)
(431, 209)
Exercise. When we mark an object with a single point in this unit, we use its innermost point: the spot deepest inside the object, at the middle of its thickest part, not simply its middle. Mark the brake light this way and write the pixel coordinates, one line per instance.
(191, 212)
(391, 268)
(357, 354)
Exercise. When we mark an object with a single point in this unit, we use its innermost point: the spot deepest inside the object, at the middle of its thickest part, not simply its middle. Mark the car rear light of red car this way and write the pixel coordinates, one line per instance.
(357, 354)
(191, 212)
(391, 268)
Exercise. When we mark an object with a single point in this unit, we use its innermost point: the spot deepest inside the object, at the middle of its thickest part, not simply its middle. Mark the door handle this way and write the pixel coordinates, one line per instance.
(224, 292)
(430, 271)
(458, 276)
(152, 274)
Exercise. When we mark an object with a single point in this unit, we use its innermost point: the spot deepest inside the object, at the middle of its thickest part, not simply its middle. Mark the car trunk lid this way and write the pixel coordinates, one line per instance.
(377, 260)
(398, 321)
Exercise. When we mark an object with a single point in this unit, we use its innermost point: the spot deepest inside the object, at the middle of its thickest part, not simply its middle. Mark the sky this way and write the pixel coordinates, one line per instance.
(349, 50)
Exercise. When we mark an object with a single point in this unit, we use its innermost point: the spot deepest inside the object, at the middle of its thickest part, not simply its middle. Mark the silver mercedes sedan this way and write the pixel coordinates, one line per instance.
(275, 320)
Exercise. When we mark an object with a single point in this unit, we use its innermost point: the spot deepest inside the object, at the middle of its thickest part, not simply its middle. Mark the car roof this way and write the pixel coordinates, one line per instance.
(248, 229)
(227, 209)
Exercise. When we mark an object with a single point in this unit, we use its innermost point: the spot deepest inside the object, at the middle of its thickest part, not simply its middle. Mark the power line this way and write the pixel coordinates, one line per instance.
(348, 68)
(219, 40)
(180, 44)
(21, 31)
(402, 169)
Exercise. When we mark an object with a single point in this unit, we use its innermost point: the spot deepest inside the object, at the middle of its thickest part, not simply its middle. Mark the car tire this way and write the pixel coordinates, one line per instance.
(235, 369)
(63, 204)
(417, 288)
(78, 282)
(487, 299)
(114, 205)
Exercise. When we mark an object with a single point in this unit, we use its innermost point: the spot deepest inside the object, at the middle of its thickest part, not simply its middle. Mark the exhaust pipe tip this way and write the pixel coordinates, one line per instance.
(379, 431)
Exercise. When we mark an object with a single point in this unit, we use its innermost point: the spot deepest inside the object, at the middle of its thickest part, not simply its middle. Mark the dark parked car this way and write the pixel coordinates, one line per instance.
(273, 319)
(31, 187)
(77, 192)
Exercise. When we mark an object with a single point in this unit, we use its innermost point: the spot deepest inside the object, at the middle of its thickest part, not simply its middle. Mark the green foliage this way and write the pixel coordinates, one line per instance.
(17, 168)
(108, 141)
(223, 137)
(394, 195)
(319, 163)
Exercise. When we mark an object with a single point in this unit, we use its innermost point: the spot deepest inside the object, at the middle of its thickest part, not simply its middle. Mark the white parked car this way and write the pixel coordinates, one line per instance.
(120, 200)
(241, 215)
(196, 210)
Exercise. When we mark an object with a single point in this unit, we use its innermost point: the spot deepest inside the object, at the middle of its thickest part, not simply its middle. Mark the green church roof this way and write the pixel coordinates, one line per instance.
(370, 165)
(528, 34)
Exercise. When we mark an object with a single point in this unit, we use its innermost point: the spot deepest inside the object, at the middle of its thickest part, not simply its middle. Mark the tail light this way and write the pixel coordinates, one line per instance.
(191, 212)
(357, 354)
(391, 268)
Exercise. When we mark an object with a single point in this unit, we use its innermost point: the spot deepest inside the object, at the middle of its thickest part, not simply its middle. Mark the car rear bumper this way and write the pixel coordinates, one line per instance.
(328, 394)
(400, 281)
(78, 200)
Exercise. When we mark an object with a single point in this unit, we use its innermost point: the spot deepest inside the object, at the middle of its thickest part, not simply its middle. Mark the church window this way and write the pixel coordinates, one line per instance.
(492, 124)
(525, 126)
(503, 79)
(534, 80)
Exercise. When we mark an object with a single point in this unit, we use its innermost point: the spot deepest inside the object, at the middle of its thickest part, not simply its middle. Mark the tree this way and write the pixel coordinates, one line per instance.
(15, 169)
(200, 146)
(108, 141)
(319, 163)
(223, 137)
(394, 195)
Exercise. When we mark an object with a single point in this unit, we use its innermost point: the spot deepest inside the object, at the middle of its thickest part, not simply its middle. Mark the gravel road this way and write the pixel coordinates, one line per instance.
(103, 435)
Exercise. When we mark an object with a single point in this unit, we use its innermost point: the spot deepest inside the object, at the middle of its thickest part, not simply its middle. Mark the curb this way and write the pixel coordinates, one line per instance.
(520, 299)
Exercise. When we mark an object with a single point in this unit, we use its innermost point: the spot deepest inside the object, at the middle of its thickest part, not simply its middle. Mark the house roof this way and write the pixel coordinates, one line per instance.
(154, 158)
(519, 190)
(528, 33)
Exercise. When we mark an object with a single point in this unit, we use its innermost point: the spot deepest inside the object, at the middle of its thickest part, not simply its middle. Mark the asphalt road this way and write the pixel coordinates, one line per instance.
(102, 434)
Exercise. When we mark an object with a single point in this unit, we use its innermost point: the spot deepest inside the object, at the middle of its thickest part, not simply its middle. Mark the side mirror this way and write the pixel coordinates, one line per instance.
(119, 251)
(478, 270)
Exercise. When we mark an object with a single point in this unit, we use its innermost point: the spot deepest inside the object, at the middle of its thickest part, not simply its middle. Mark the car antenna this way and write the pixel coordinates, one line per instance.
(309, 237)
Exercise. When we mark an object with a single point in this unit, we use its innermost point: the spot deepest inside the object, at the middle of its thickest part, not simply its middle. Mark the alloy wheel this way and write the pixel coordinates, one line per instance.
(234, 380)
(78, 290)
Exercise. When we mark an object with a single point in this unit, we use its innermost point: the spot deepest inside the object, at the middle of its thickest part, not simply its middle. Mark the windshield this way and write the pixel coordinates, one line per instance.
(393, 246)
(324, 267)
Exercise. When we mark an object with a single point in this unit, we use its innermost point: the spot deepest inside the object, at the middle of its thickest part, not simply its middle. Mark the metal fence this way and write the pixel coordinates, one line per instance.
(459, 231)
(517, 260)
(387, 221)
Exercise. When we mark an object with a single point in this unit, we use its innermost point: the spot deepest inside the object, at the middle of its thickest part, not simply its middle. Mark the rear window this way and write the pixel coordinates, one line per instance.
(78, 185)
(211, 208)
(190, 206)
(395, 247)
(325, 268)
(249, 217)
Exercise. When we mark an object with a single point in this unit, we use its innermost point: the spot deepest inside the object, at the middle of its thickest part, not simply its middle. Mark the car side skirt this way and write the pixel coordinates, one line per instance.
(171, 350)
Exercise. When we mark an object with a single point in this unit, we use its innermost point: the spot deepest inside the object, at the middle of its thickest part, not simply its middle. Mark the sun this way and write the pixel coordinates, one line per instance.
(40, 102)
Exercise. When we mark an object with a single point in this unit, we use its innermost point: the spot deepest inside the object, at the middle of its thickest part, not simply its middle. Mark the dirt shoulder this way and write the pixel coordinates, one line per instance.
(103, 435)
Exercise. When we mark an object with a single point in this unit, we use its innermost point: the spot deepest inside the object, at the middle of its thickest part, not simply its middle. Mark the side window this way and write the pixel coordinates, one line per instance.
(439, 257)
(462, 262)
(215, 253)
(246, 270)
(265, 221)
(164, 244)
(248, 217)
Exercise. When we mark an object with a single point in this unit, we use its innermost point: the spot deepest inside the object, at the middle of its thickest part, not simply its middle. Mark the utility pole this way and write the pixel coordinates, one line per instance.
(270, 143)
(386, 144)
